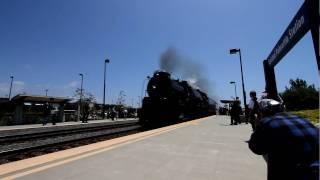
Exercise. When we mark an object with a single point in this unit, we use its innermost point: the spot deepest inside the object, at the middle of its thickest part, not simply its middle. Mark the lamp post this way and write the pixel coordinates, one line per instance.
(139, 101)
(234, 51)
(10, 87)
(142, 89)
(104, 88)
(235, 88)
(132, 102)
(80, 102)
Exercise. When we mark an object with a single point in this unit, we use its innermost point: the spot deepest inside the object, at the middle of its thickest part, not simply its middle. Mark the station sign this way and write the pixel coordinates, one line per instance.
(298, 27)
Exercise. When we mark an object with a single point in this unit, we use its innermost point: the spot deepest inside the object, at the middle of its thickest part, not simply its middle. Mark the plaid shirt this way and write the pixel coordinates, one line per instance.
(291, 145)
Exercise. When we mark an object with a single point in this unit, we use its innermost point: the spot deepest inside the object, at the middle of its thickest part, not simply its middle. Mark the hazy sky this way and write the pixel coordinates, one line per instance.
(45, 44)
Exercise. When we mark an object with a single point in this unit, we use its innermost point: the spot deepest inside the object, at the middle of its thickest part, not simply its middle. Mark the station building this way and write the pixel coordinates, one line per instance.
(29, 109)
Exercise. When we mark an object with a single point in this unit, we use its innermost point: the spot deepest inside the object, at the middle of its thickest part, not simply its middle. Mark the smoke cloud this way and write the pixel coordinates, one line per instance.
(181, 66)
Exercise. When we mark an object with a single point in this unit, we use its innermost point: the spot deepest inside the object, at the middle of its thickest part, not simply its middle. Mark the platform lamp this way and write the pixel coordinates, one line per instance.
(80, 102)
(234, 51)
(11, 77)
(104, 88)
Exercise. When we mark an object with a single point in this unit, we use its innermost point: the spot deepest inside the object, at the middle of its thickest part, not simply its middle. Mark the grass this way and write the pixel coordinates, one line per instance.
(312, 115)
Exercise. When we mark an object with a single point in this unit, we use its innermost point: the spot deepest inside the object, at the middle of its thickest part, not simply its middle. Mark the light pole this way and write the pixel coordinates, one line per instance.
(104, 88)
(10, 87)
(142, 89)
(79, 113)
(235, 88)
(139, 101)
(132, 102)
(46, 92)
(234, 51)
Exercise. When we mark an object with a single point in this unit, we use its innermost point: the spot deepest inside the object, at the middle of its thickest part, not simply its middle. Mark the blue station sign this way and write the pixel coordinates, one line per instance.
(298, 27)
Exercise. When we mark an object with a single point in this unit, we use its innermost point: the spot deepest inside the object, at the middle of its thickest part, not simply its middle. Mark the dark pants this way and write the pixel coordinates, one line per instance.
(53, 121)
(232, 119)
(253, 121)
(237, 119)
(85, 118)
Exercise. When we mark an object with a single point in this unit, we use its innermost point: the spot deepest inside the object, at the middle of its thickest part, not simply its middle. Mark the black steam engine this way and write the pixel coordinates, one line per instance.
(170, 101)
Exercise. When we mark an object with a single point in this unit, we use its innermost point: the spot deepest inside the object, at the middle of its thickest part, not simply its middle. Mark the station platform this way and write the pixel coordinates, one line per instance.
(30, 126)
(203, 149)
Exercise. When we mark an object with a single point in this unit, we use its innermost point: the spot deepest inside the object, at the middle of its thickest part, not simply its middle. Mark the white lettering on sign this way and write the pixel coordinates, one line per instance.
(287, 38)
(297, 25)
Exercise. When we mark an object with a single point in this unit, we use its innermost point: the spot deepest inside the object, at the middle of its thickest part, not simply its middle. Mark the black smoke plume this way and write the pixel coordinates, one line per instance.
(181, 66)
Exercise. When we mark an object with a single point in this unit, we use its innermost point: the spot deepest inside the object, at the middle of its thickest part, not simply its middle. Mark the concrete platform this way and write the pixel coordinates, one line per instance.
(205, 149)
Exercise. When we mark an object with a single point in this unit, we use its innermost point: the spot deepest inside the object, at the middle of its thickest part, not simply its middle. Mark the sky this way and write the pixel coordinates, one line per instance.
(45, 44)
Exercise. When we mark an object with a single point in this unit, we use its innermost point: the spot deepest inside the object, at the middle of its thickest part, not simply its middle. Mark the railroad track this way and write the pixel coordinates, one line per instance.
(25, 145)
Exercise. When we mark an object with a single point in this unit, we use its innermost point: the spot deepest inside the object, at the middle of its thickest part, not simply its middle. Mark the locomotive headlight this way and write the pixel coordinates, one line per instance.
(154, 87)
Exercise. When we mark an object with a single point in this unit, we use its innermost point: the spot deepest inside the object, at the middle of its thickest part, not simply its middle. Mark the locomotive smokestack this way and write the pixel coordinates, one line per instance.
(173, 62)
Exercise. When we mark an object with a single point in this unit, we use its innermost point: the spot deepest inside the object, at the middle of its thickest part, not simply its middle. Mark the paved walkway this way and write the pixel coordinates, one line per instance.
(205, 149)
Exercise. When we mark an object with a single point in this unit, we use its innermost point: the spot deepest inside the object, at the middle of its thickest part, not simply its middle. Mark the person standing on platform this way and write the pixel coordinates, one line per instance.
(237, 112)
(54, 118)
(114, 114)
(232, 113)
(289, 144)
(254, 114)
(85, 112)
(46, 114)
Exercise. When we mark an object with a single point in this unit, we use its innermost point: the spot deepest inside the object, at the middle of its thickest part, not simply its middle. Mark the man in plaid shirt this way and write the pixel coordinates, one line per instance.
(290, 144)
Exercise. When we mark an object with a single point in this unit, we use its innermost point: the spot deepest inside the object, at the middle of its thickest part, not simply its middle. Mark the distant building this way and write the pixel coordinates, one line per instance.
(29, 108)
(4, 100)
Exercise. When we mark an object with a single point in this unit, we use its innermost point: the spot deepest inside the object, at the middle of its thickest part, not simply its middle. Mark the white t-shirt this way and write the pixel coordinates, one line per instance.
(251, 104)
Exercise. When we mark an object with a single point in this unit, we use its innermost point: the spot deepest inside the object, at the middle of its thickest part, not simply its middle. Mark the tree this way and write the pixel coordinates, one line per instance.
(121, 98)
(86, 96)
(300, 95)
(84, 105)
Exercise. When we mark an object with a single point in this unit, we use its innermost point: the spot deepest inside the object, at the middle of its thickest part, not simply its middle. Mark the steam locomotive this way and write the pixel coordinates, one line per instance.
(170, 101)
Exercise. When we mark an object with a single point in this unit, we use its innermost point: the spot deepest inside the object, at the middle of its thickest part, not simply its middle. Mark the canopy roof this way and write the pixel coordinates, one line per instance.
(39, 99)
(227, 101)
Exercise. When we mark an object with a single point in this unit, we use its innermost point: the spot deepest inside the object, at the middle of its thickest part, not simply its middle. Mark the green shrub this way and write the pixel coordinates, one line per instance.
(312, 115)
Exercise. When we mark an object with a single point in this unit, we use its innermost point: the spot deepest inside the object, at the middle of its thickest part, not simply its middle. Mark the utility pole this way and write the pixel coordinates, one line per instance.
(10, 87)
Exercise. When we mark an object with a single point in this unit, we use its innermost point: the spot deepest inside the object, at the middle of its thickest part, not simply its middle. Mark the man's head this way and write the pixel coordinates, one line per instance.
(269, 107)
(253, 94)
